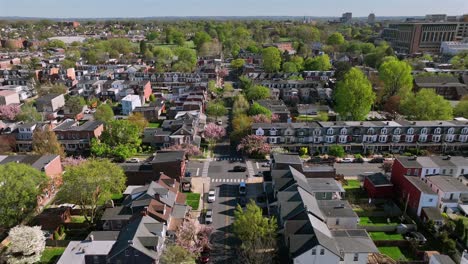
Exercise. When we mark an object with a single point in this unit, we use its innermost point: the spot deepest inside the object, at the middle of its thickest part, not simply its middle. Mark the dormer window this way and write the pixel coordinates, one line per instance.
(343, 131)
(370, 131)
(397, 131)
(410, 131)
(330, 131)
(383, 131)
(451, 130)
(424, 131)
(465, 130)
(437, 130)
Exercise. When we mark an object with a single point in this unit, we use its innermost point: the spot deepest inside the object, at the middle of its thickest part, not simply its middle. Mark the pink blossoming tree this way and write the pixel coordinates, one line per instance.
(9, 112)
(190, 150)
(214, 133)
(193, 236)
(73, 161)
(254, 146)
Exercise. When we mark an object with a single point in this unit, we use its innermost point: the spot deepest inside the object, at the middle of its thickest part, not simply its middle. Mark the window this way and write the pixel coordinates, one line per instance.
(382, 138)
(370, 131)
(462, 171)
(436, 138)
(330, 131)
(314, 251)
(343, 131)
(422, 138)
(324, 195)
(410, 131)
(430, 200)
(356, 257)
(383, 131)
(451, 130)
(342, 139)
(451, 171)
(437, 130)
(272, 140)
(424, 131)
(330, 139)
(409, 138)
(337, 221)
(397, 131)
(260, 132)
(465, 130)
(449, 138)
(322, 251)
(443, 172)
(408, 172)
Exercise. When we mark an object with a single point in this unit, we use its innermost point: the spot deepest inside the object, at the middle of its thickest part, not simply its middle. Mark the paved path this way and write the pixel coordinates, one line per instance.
(206, 166)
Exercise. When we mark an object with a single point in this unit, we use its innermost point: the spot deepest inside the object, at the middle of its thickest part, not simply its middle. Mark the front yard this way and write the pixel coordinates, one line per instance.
(385, 236)
(193, 200)
(51, 255)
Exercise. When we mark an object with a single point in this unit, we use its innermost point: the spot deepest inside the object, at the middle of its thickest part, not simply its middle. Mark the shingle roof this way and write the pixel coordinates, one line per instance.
(422, 186)
(447, 184)
(354, 241)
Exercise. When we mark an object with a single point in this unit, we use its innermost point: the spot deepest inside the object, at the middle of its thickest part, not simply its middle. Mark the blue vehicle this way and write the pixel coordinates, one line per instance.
(242, 188)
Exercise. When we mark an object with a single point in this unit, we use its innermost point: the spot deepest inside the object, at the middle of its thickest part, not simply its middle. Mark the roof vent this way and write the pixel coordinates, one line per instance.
(448, 157)
(91, 237)
(130, 242)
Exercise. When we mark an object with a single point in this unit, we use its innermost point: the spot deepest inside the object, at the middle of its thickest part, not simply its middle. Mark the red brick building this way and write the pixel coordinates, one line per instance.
(378, 186)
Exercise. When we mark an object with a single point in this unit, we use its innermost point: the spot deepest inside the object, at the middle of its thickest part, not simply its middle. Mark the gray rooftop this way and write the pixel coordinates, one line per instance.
(433, 213)
(77, 250)
(354, 241)
(379, 179)
(447, 184)
(169, 156)
(422, 186)
(336, 208)
(287, 158)
(443, 259)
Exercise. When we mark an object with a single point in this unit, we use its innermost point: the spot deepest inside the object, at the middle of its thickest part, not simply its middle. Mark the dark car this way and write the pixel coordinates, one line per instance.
(416, 236)
(204, 256)
(239, 169)
(377, 160)
(358, 160)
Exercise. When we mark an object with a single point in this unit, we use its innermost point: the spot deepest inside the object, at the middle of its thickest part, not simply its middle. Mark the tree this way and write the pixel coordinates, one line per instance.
(174, 254)
(212, 87)
(237, 63)
(336, 151)
(214, 132)
(341, 68)
(104, 113)
(193, 236)
(257, 233)
(335, 39)
(257, 109)
(241, 125)
(258, 92)
(143, 47)
(397, 78)
(9, 112)
(68, 63)
(164, 57)
(139, 120)
(56, 43)
(319, 63)
(461, 109)
(271, 59)
(426, 105)
(44, 141)
(28, 114)
(200, 38)
(254, 145)
(354, 96)
(189, 149)
(21, 185)
(289, 67)
(26, 244)
(261, 118)
(303, 151)
(73, 161)
(240, 105)
(216, 109)
(392, 105)
(152, 98)
(186, 59)
(298, 61)
(91, 184)
(54, 89)
(75, 104)
(460, 61)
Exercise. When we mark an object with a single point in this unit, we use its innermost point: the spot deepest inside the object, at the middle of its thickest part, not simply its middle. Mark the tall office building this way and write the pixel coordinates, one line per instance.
(371, 18)
(346, 17)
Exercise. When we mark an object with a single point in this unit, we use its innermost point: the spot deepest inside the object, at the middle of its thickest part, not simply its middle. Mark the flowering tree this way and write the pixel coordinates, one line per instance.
(223, 72)
(190, 150)
(275, 118)
(261, 118)
(9, 112)
(73, 161)
(193, 236)
(214, 132)
(27, 244)
(254, 145)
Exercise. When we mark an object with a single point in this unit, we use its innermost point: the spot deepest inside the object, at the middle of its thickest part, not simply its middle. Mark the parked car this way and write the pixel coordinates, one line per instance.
(209, 216)
(377, 160)
(266, 165)
(239, 169)
(242, 188)
(211, 196)
(134, 160)
(259, 174)
(416, 236)
(346, 160)
(204, 256)
(358, 160)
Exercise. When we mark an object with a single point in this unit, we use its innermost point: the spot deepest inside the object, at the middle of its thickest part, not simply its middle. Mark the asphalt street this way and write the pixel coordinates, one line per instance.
(356, 169)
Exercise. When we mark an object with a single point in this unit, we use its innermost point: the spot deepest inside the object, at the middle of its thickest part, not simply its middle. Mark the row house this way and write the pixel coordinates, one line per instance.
(354, 136)
(50, 104)
(278, 108)
(170, 79)
(447, 86)
(24, 135)
(153, 112)
(88, 88)
(75, 137)
(304, 91)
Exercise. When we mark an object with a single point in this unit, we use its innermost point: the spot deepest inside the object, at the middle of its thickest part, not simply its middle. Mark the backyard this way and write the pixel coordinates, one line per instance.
(385, 236)
(193, 200)
(396, 253)
(154, 125)
(376, 221)
(352, 184)
(51, 254)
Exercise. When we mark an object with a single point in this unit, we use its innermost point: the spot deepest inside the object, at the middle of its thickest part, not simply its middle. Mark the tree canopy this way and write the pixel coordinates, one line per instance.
(426, 105)
(271, 59)
(104, 113)
(21, 185)
(258, 109)
(258, 92)
(75, 104)
(335, 39)
(319, 63)
(397, 78)
(45, 141)
(90, 184)
(26, 244)
(354, 96)
(461, 110)
(216, 109)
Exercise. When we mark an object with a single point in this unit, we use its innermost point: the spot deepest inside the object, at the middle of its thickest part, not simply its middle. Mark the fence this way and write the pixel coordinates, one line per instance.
(385, 228)
(392, 243)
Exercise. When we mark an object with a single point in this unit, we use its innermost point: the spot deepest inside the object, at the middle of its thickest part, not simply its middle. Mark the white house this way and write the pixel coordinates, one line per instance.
(129, 103)
(448, 189)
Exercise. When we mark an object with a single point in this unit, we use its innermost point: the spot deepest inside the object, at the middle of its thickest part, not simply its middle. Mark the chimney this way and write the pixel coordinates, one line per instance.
(145, 211)
(91, 237)
(448, 157)
(130, 242)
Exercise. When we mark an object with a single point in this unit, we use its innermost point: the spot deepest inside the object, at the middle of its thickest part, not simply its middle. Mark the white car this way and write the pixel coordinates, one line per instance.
(134, 160)
(347, 160)
(211, 196)
(209, 216)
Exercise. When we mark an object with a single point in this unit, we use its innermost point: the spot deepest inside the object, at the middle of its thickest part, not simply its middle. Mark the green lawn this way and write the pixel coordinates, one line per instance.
(193, 200)
(154, 125)
(117, 196)
(77, 219)
(395, 253)
(385, 236)
(375, 221)
(353, 184)
(51, 254)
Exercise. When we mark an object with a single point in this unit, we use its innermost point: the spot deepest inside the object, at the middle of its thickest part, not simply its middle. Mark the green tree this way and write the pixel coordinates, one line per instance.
(186, 57)
(56, 43)
(216, 109)
(336, 151)
(139, 120)
(200, 38)
(257, 233)
(426, 105)
(289, 67)
(90, 184)
(54, 89)
(69, 63)
(29, 114)
(335, 39)
(174, 254)
(44, 141)
(257, 109)
(21, 185)
(461, 109)
(152, 98)
(237, 63)
(319, 63)
(104, 113)
(271, 59)
(75, 104)
(299, 61)
(164, 57)
(460, 61)
(258, 92)
(303, 151)
(241, 125)
(354, 96)
(397, 78)
(240, 105)
(143, 47)
(341, 68)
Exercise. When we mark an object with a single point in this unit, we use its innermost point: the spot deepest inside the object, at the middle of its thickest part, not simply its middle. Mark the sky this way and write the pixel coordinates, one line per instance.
(148, 8)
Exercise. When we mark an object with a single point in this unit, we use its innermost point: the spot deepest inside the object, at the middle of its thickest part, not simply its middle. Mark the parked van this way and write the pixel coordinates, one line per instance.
(242, 188)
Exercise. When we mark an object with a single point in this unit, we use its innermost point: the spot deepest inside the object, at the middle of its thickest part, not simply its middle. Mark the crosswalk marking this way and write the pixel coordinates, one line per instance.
(231, 159)
(206, 166)
(226, 180)
(250, 168)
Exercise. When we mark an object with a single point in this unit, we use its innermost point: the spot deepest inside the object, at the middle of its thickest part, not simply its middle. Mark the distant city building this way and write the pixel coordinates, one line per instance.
(453, 47)
(371, 18)
(346, 17)
(415, 36)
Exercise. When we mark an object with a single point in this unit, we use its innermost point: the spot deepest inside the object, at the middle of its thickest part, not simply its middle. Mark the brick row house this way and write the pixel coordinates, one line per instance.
(354, 136)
